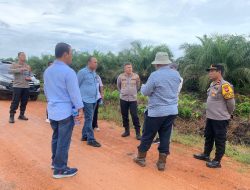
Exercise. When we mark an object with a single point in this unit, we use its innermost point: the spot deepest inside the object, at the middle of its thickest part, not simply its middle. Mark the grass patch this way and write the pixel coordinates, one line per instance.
(240, 153)
(41, 97)
(110, 112)
(188, 140)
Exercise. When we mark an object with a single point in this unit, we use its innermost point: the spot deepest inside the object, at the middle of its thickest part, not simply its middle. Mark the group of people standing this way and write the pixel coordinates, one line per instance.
(67, 91)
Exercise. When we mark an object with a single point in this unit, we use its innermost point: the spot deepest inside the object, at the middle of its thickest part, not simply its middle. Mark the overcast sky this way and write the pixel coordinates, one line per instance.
(35, 26)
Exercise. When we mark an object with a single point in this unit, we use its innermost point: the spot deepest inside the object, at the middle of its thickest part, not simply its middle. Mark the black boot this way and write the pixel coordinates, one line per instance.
(138, 133)
(12, 119)
(202, 156)
(161, 163)
(126, 132)
(213, 164)
(141, 159)
(22, 117)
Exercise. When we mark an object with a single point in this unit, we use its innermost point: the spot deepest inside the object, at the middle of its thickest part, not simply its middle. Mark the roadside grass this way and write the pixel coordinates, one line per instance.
(41, 97)
(110, 112)
(241, 153)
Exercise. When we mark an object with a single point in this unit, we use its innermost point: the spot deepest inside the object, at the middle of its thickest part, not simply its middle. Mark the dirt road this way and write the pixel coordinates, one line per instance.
(25, 161)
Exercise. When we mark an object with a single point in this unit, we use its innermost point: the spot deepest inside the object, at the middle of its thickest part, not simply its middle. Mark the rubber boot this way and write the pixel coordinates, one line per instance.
(138, 133)
(161, 161)
(12, 118)
(141, 159)
(126, 132)
(22, 117)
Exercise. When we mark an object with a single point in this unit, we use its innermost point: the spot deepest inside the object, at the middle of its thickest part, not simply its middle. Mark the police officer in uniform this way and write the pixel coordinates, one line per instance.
(22, 77)
(220, 106)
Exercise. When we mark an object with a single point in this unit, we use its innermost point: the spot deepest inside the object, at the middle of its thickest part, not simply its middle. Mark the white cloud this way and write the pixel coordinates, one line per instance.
(36, 26)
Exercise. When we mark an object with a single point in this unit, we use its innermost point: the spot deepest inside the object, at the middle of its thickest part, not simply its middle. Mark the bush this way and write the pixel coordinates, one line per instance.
(141, 109)
(242, 106)
(185, 112)
(142, 99)
(190, 107)
(110, 95)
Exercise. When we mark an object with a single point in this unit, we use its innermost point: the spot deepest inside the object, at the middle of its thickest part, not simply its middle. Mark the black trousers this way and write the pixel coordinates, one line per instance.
(152, 125)
(20, 95)
(125, 108)
(95, 117)
(216, 132)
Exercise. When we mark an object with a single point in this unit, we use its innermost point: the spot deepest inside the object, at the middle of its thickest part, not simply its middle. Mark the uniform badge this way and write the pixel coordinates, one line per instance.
(227, 91)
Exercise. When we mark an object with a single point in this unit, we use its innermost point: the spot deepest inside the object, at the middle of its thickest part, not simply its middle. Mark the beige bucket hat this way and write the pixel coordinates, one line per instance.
(161, 58)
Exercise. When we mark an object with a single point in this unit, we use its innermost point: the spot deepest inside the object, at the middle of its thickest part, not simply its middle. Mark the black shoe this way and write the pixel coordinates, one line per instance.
(138, 137)
(68, 172)
(157, 140)
(213, 164)
(22, 117)
(84, 139)
(126, 134)
(202, 157)
(138, 134)
(11, 120)
(94, 144)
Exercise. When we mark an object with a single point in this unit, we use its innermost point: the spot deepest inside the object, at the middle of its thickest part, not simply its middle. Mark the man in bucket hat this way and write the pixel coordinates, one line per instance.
(220, 106)
(162, 90)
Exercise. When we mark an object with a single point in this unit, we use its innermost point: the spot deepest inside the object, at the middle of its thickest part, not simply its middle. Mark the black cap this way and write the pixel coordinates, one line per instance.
(216, 67)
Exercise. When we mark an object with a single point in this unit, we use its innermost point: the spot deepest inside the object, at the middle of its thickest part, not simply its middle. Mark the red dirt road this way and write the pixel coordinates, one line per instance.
(25, 161)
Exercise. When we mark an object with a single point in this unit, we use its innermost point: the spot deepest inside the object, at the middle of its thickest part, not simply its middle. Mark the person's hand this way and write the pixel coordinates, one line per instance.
(80, 115)
(28, 78)
(24, 69)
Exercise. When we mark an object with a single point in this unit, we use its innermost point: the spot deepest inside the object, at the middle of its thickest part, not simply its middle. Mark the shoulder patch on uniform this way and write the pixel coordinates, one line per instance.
(227, 91)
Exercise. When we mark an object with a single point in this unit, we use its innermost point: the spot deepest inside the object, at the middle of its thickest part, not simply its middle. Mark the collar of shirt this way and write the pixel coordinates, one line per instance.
(219, 82)
(60, 62)
(164, 67)
(128, 75)
(89, 70)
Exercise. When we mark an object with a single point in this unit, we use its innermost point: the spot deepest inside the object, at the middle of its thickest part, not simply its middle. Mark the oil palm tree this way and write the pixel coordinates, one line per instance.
(229, 50)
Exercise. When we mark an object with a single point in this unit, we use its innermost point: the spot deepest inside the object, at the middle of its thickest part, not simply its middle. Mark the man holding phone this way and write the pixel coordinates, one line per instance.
(21, 72)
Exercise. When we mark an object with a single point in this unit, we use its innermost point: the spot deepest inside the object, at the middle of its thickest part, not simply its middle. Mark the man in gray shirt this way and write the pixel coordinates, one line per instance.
(220, 107)
(21, 87)
(162, 89)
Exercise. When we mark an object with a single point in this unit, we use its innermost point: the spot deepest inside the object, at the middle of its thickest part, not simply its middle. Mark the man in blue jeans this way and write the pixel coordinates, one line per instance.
(88, 80)
(62, 93)
(162, 91)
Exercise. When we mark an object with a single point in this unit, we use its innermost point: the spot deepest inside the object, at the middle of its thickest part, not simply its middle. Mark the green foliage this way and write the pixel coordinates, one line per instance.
(110, 65)
(142, 57)
(42, 98)
(141, 109)
(230, 50)
(39, 65)
(110, 112)
(111, 95)
(242, 106)
(190, 107)
(142, 99)
(239, 153)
